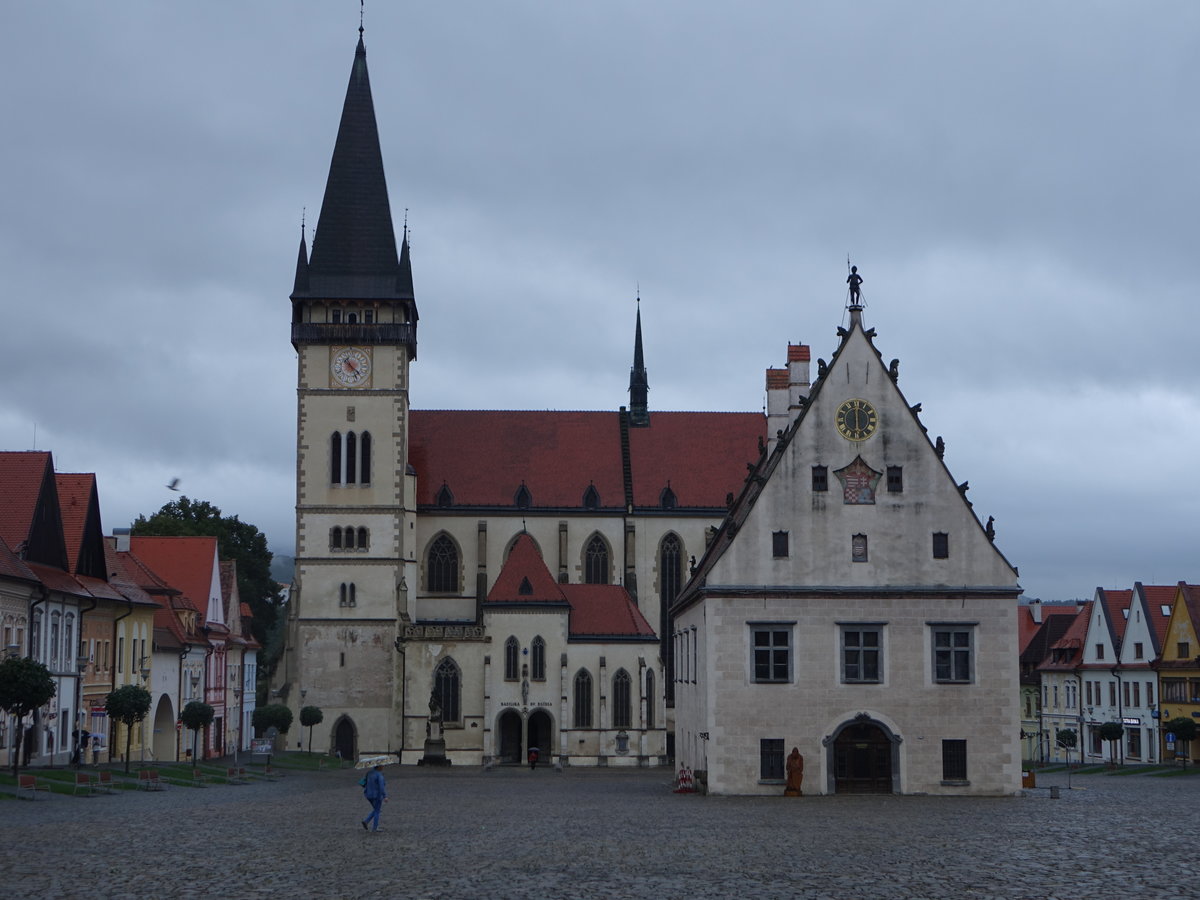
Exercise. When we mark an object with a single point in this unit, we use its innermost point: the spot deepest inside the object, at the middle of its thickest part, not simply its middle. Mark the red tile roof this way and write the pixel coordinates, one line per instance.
(21, 477)
(185, 563)
(74, 500)
(1116, 604)
(1157, 596)
(1071, 642)
(596, 610)
(11, 565)
(484, 456)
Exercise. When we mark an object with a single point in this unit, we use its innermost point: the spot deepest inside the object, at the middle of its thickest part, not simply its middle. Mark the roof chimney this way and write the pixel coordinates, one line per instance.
(787, 389)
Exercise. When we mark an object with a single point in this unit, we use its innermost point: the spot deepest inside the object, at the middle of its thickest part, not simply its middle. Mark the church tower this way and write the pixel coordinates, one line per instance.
(354, 327)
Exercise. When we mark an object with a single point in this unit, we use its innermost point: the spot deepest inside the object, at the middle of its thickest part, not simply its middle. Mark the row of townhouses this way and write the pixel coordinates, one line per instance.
(105, 612)
(1127, 656)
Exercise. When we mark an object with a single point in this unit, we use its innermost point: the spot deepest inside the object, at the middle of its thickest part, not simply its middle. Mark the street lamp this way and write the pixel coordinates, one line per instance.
(81, 664)
(195, 679)
(237, 702)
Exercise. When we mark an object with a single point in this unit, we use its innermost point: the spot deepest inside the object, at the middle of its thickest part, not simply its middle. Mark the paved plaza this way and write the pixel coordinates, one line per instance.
(601, 833)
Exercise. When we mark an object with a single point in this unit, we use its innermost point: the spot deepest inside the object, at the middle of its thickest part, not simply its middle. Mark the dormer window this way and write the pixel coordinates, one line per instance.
(445, 497)
(591, 497)
(668, 500)
(526, 589)
(523, 498)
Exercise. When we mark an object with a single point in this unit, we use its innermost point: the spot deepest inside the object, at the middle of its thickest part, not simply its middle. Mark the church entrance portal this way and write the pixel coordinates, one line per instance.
(343, 739)
(862, 760)
(541, 734)
(510, 736)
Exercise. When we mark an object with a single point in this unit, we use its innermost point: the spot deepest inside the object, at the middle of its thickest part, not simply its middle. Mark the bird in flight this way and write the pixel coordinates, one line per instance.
(173, 485)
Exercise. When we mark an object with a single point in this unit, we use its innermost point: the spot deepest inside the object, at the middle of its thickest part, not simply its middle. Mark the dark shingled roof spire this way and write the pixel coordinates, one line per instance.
(639, 384)
(354, 248)
(301, 284)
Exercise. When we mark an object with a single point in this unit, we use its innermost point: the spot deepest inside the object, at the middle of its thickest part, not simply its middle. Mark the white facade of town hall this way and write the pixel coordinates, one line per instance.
(885, 624)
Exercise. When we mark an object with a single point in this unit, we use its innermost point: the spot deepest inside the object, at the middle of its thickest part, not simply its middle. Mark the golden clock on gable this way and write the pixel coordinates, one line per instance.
(350, 367)
(856, 419)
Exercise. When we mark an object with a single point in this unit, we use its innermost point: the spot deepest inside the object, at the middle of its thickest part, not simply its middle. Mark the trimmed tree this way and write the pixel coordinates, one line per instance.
(128, 705)
(196, 715)
(25, 685)
(273, 715)
(310, 716)
(1112, 732)
(1184, 730)
(1067, 739)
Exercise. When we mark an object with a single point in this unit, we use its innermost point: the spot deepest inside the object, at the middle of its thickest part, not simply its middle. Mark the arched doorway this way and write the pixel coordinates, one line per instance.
(345, 743)
(541, 733)
(162, 743)
(864, 758)
(509, 728)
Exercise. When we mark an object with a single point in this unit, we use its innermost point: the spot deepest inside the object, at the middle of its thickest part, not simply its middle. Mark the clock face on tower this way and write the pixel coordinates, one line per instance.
(350, 366)
(856, 420)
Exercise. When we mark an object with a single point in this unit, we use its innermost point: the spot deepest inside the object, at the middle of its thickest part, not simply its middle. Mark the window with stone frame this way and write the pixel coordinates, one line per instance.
(1133, 743)
(771, 653)
(779, 544)
(770, 759)
(582, 696)
(895, 479)
(512, 659)
(595, 561)
(441, 566)
(941, 545)
(954, 760)
(622, 700)
(862, 653)
(447, 690)
(537, 658)
(820, 479)
(953, 654)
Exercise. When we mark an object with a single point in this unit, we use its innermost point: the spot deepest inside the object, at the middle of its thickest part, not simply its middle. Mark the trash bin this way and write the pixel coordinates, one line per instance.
(1028, 779)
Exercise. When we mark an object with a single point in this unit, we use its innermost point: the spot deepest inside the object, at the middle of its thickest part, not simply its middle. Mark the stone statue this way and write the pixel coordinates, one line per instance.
(990, 530)
(795, 774)
(855, 282)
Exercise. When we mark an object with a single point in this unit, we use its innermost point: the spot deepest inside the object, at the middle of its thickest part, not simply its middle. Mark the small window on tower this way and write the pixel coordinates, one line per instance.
(335, 539)
(820, 478)
(941, 545)
(779, 544)
(895, 479)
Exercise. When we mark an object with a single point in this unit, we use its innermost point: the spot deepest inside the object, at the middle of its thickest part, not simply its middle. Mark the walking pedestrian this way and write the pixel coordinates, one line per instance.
(533, 758)
(375, 790)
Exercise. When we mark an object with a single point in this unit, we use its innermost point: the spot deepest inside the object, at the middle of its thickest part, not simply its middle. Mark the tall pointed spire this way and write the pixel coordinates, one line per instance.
(354, 248)
(301, 284)
(639, 384)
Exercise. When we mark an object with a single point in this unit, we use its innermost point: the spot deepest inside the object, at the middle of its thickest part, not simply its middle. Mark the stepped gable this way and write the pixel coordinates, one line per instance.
(484, 456)
(900, 415)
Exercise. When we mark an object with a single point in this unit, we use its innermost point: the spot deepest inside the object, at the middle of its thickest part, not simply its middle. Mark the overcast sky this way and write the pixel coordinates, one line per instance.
(1017, 183)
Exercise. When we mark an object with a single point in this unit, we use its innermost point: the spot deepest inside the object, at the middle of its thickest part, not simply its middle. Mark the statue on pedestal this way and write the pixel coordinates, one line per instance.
(795, 774)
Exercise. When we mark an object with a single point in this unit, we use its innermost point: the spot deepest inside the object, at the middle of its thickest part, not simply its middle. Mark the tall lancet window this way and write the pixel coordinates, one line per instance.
(595, 561)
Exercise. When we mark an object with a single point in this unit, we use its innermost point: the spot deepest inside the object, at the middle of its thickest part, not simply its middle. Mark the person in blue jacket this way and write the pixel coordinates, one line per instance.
(375, 790)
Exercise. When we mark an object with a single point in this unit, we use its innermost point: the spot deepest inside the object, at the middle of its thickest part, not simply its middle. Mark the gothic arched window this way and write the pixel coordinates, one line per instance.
(447, 688)
(335, 457)
(441, 570)
(512, 659)
(670, 581)
(351, 454)
(650, 698)
(583, 699)
(595, 561)
(537, 654)
(622, 707)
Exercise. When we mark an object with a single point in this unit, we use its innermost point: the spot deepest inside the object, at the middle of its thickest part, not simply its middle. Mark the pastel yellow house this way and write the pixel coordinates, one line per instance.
(1179, 669)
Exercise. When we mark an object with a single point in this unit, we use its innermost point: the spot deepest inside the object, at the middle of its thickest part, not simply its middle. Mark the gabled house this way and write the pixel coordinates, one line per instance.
(191, 566)
(241, 660)
(1039, 628)
(1179, 671)
(1099, 670)
(851, 605)
(1145, 629)
(1062, 690)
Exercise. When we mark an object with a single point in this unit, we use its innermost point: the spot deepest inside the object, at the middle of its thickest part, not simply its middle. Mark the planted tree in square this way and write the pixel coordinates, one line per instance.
(25, 685)
(128, 705)
(310, 716)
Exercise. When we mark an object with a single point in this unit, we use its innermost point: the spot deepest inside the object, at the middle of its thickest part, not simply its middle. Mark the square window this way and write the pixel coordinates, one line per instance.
(771, 653)
(895, 479)
(941, 545)
(952, 652)
(858, 548)
(820, 478)
(954, 760)
(779, 544)
(1183, 649)
(861, 649)
(770, 759)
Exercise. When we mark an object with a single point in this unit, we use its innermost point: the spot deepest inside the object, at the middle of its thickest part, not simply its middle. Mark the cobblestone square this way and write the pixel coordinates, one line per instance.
(465, 833)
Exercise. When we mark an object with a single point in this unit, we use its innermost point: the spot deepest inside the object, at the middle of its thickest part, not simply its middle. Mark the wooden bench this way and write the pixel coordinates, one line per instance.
(84, 780)
(235, 776)
(149, 780)
(271, 774)
(28, 786)
(199, 779)
(106, 783)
